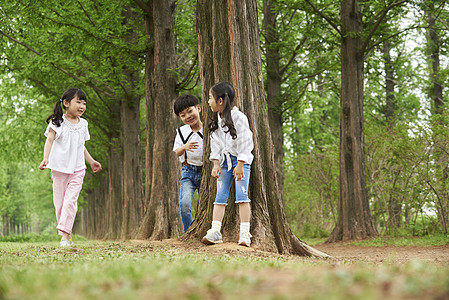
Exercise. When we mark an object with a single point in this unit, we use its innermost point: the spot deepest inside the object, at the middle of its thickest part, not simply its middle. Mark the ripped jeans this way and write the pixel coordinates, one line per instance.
(225, 180)
(190, 181)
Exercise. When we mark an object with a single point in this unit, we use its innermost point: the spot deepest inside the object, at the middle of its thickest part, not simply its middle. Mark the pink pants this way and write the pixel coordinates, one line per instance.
(66, 189)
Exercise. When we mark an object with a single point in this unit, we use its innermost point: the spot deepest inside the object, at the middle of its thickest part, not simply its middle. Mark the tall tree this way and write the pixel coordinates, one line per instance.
(273, 87)
(354, 217)
(228, 43)
(161, 218)
(435, 93)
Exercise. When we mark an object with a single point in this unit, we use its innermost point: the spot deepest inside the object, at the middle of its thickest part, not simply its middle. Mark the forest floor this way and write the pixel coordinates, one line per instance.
(174, 269)
(342, 251)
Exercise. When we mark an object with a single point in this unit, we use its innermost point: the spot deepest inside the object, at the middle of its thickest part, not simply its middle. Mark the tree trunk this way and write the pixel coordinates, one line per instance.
(228, 43)
(434, 47)
(130, 137)
(390, 103)
(354, 217)
(436, 94)
(394, 204)
(162, 217)
(273, 88)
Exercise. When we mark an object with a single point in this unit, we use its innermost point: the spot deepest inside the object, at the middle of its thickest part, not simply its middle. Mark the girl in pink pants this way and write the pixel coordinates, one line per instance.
(64, 154)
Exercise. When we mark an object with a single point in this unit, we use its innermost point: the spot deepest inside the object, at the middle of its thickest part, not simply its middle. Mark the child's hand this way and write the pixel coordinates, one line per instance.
(216, 171)
(238, 171)
(191, 146)
(96, 166)
(43, 164)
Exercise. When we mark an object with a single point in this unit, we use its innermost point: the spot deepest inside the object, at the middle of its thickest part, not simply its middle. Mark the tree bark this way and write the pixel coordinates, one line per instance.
(132, 210)
(273, 88)
(436, 94)
(228, 43)
(394, 204)
(162, 217)
(354, 217)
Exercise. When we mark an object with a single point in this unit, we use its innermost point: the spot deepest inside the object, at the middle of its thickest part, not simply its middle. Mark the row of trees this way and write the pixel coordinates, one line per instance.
(327, 69)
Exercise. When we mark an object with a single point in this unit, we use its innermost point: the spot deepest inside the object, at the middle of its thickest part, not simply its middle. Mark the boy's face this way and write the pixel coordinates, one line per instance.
(191, 116)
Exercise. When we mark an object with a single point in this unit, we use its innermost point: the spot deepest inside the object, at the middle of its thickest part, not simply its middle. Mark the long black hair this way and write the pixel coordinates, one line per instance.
(225, 91)
(68, 95)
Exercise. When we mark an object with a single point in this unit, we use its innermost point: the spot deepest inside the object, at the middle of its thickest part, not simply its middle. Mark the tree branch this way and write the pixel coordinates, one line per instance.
(107, 92)
(292, 58)
(324, 17)
(381, 18)
(182, 85)
(143, 6)
(368, 50)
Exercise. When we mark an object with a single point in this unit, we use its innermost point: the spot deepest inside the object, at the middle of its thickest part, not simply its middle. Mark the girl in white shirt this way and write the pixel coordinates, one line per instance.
(64, 154)
(231, 145)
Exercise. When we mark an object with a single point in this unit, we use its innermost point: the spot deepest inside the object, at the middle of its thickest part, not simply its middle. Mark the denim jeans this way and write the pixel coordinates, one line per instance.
(225, 180)
(190, 181)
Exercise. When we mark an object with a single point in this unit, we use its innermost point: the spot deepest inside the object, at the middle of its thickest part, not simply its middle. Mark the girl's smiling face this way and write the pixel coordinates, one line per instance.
(75, 108)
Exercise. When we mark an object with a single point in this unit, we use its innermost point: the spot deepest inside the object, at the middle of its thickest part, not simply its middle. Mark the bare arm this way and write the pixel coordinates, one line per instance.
(47, 148)
(95, 165)
(186, 147)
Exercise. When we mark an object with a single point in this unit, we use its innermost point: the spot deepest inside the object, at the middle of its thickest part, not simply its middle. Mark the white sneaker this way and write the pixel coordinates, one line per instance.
(245, 238)
(65, 243)
(213, 236)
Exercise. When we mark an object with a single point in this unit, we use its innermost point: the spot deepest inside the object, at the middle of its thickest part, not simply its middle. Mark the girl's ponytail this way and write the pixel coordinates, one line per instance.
(56, 116)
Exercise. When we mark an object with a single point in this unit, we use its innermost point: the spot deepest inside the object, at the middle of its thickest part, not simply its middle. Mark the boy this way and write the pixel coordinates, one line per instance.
(189, 148)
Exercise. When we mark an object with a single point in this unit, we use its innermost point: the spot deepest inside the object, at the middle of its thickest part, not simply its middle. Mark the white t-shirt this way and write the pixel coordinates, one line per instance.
(222, 145)
(194, 158)
(67, 151)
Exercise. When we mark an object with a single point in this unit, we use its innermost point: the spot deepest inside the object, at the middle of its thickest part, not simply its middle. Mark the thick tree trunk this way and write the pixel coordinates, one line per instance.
(228, 43)
(354, 218)
(273, 88)
(161, 218)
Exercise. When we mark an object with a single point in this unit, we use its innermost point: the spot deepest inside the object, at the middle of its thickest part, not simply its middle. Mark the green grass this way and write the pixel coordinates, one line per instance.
(422, 241)
(121, 270)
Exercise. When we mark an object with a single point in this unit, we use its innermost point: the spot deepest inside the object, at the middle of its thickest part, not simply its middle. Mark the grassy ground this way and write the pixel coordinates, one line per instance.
(126, 270)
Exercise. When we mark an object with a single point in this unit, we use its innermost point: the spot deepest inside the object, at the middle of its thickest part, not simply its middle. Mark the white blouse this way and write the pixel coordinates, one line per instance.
(67, 151)
(194, 158)
(222, 145)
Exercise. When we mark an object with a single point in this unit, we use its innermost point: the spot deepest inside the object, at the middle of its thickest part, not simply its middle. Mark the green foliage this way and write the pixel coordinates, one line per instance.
(311, 192)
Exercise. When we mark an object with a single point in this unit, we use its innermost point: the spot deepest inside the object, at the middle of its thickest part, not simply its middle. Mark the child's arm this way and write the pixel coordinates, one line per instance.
(47, 148)
(238, 170)
(95, 165)
(216, 170)
(186, 147)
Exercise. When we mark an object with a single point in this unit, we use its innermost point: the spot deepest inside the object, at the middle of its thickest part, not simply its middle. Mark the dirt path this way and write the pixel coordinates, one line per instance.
(338, 251)
(393, 254)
